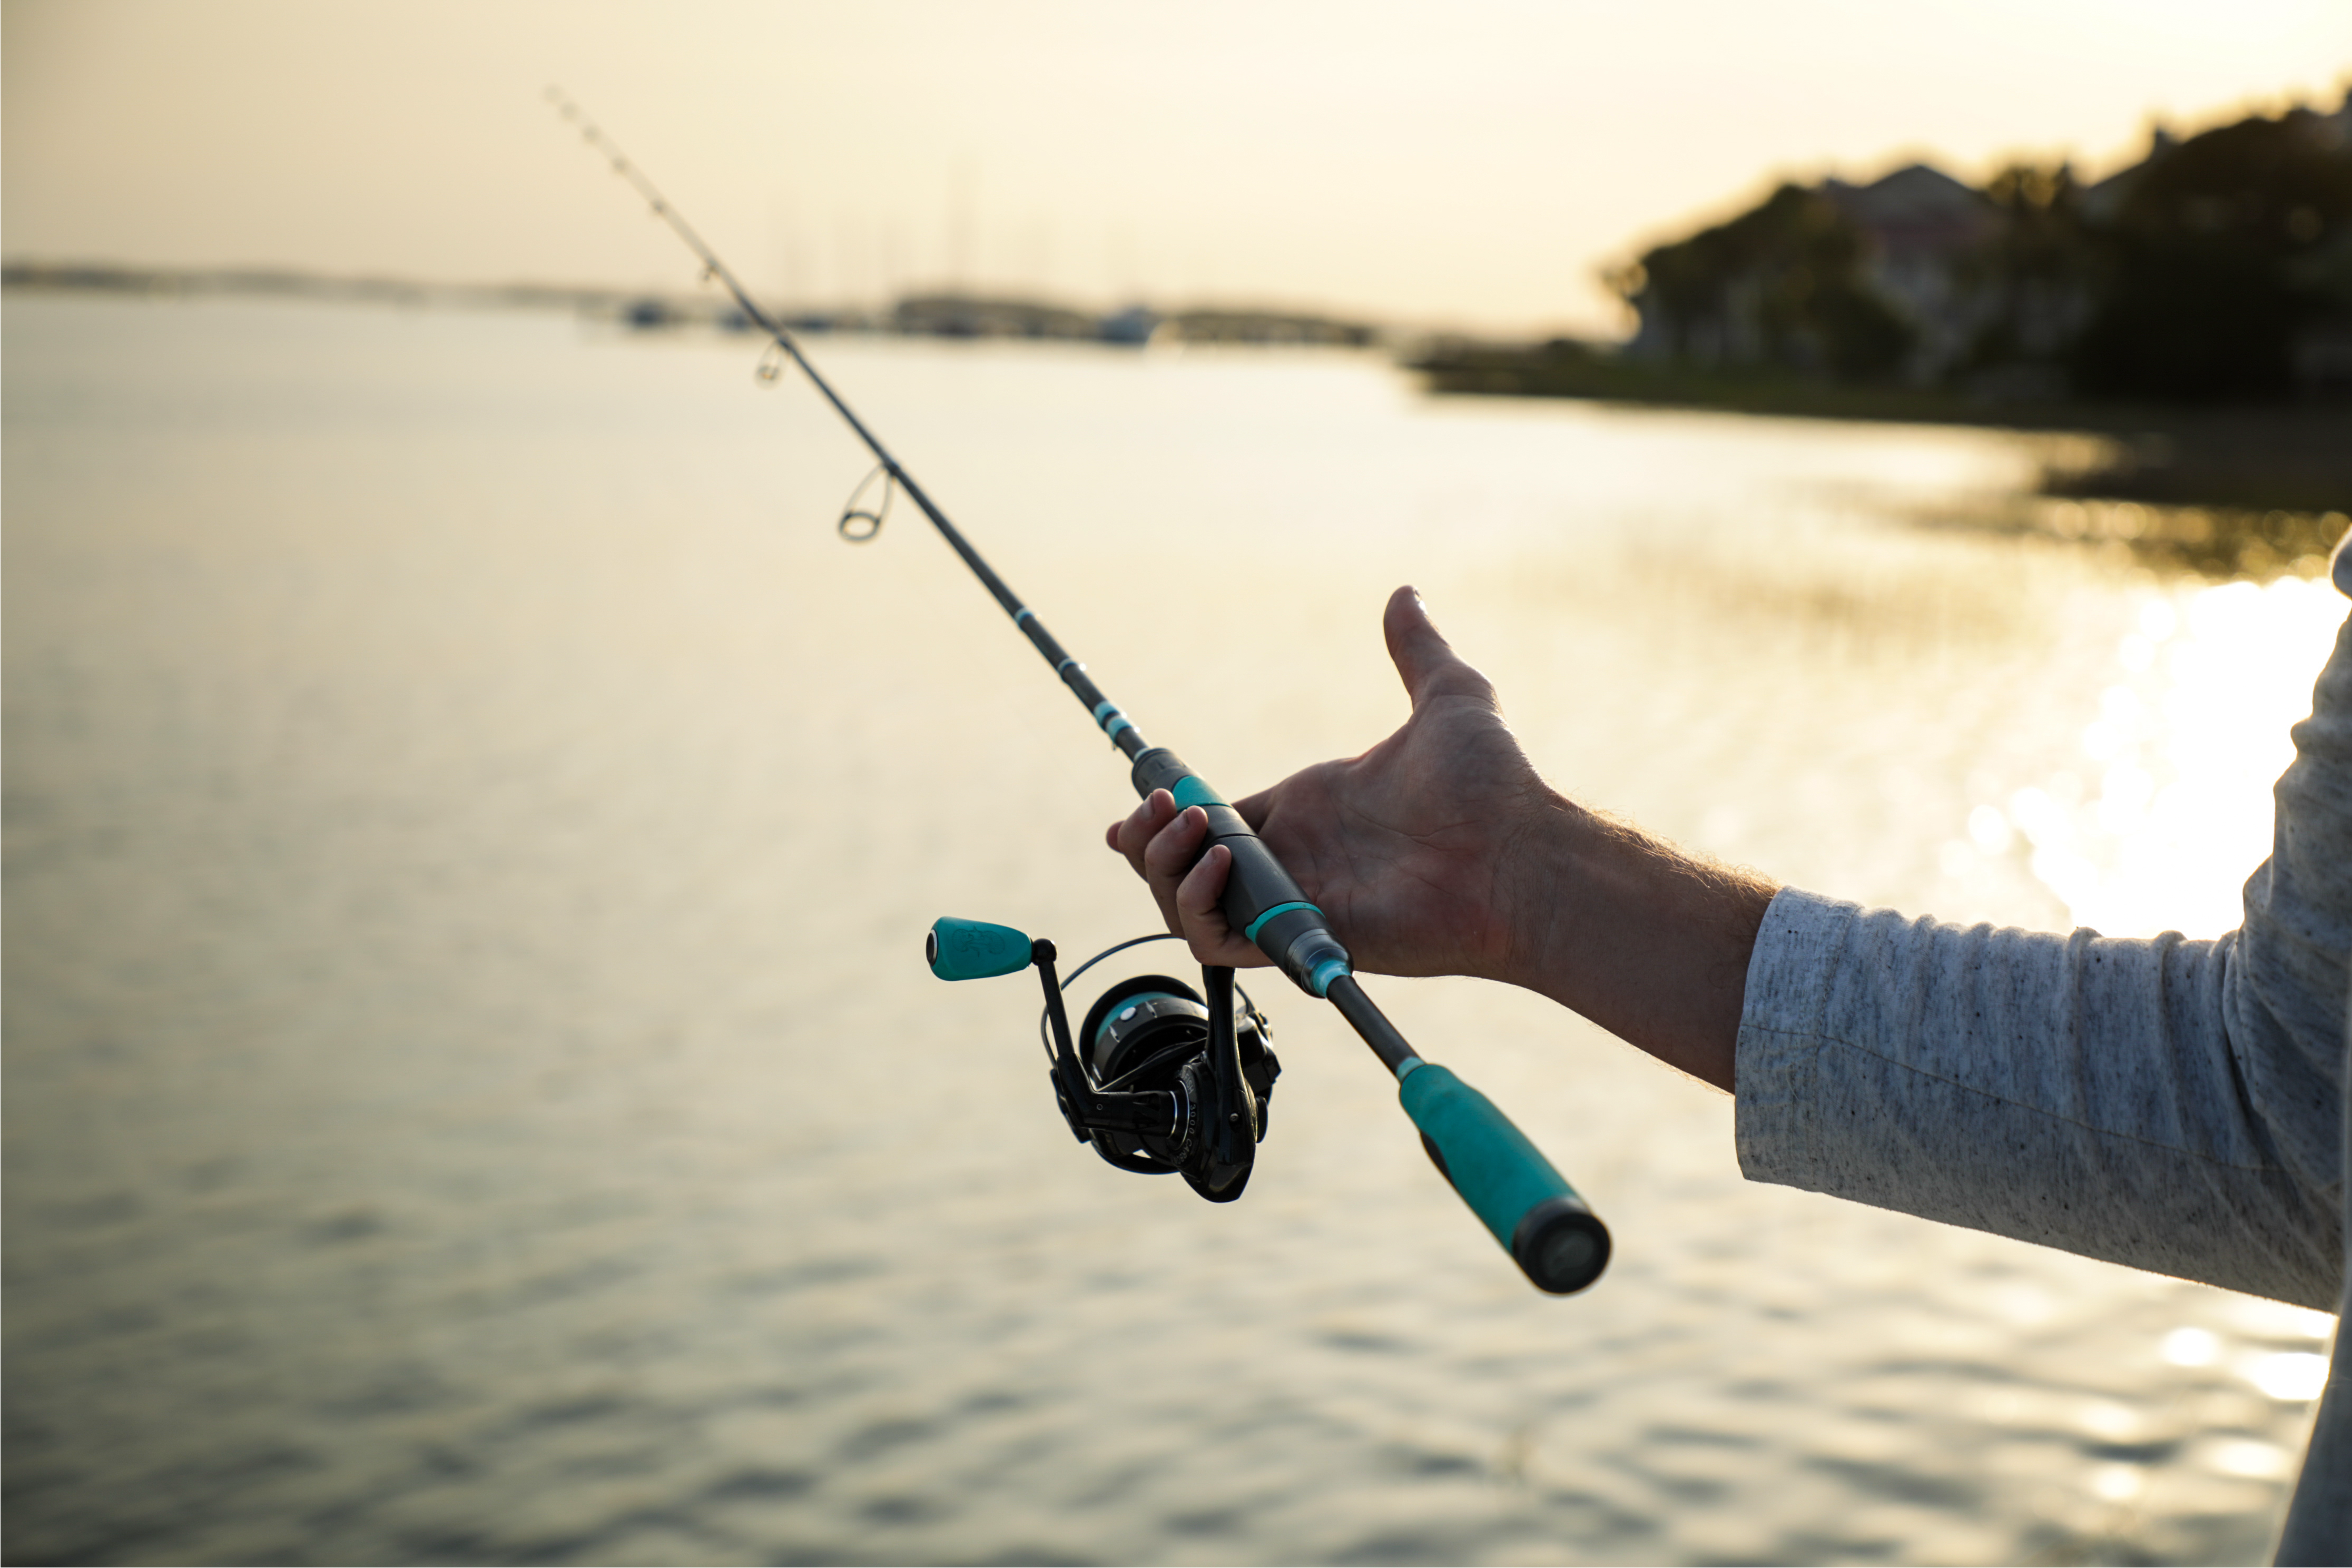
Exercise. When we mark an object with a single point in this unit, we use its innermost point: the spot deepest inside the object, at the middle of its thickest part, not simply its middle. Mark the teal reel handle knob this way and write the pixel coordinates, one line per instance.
(1556, 1239)
(974, 950)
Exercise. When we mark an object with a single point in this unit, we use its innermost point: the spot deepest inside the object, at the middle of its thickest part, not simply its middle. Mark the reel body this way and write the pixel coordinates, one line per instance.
(1159, 1078)
(1152, 1033)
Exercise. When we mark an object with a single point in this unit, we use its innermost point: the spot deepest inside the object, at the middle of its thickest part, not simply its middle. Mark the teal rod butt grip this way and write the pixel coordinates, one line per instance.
(1514, 1192)
(974, 950)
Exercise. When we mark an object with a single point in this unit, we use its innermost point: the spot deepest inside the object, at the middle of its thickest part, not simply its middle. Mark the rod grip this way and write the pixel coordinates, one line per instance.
(1260, 900)
(1556, 1239)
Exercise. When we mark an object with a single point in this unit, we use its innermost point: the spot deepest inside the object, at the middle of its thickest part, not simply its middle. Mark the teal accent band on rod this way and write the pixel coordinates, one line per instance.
(1104, 709)
(1024, 613)
(1259, 923)
(1193, 791)
(1328, 970)
(1112, 730)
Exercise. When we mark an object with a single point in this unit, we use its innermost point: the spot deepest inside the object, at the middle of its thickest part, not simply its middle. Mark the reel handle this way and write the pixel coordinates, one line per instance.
(975, 950)
(1526, 1205)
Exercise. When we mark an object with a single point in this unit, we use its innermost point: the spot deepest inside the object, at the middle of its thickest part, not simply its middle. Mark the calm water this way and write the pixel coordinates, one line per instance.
(472, 1092)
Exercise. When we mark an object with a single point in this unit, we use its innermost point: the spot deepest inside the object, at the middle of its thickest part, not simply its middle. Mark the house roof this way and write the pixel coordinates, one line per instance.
(1916, 208)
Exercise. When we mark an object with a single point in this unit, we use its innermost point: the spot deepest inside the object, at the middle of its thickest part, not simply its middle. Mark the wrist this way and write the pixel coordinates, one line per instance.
(1628, 930)
(1543, 854)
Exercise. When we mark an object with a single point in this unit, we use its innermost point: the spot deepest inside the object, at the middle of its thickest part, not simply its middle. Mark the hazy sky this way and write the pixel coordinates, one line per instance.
(1475, 162)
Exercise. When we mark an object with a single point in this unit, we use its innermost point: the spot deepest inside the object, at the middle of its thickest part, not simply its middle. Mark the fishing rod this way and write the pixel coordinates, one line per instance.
(1173, 1080)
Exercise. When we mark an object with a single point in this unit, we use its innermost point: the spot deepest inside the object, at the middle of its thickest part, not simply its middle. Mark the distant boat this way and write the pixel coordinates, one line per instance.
(1135, 325)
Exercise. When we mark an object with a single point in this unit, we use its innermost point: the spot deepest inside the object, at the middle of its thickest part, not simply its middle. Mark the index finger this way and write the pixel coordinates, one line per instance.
(1132, 833)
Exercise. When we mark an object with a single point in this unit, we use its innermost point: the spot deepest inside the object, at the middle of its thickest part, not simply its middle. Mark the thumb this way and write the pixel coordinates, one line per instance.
(1425, 661)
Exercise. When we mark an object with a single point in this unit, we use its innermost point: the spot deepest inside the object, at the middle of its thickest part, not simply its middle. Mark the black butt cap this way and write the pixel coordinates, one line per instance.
(1561, 1245)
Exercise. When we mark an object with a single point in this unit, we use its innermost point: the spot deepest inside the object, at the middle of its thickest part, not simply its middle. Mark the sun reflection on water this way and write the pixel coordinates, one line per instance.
(2167, 808)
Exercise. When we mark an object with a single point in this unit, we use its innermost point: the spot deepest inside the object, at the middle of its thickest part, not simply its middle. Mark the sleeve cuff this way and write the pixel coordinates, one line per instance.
(1775, 1060)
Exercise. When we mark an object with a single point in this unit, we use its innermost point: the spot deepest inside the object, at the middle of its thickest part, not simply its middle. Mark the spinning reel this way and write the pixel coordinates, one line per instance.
(1160, 1078)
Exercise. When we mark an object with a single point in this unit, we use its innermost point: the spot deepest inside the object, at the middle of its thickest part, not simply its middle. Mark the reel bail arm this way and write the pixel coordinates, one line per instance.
(1160, 1112)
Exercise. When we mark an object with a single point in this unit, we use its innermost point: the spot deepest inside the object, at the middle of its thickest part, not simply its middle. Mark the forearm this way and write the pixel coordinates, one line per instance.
(1644, 940)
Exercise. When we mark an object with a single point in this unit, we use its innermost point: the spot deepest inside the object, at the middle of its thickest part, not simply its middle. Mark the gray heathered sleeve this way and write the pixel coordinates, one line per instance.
(2318, 1523)
(2169, 1105)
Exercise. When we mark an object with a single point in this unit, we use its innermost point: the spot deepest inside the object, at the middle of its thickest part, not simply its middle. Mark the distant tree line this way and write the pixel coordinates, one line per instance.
(2219, 267)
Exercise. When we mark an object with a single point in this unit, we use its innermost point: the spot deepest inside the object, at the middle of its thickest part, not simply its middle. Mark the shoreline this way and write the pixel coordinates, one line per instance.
(2220, 489)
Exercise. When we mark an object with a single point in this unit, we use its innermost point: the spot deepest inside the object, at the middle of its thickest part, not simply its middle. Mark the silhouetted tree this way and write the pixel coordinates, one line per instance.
(2221, 267)
(1779, 283)
(2038, 273)
(2215, 260)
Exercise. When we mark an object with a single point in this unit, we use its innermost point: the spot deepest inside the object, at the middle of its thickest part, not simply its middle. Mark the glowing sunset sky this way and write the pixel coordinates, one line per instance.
(1473, 163)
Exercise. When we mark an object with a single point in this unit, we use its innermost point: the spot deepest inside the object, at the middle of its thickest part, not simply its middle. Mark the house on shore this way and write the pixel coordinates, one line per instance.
(2218, 266)
(1865, 281)
(1921, 232)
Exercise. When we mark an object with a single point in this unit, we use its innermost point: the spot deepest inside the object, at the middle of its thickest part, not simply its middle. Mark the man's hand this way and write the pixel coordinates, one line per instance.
(1442, 851)
(1415, 849)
